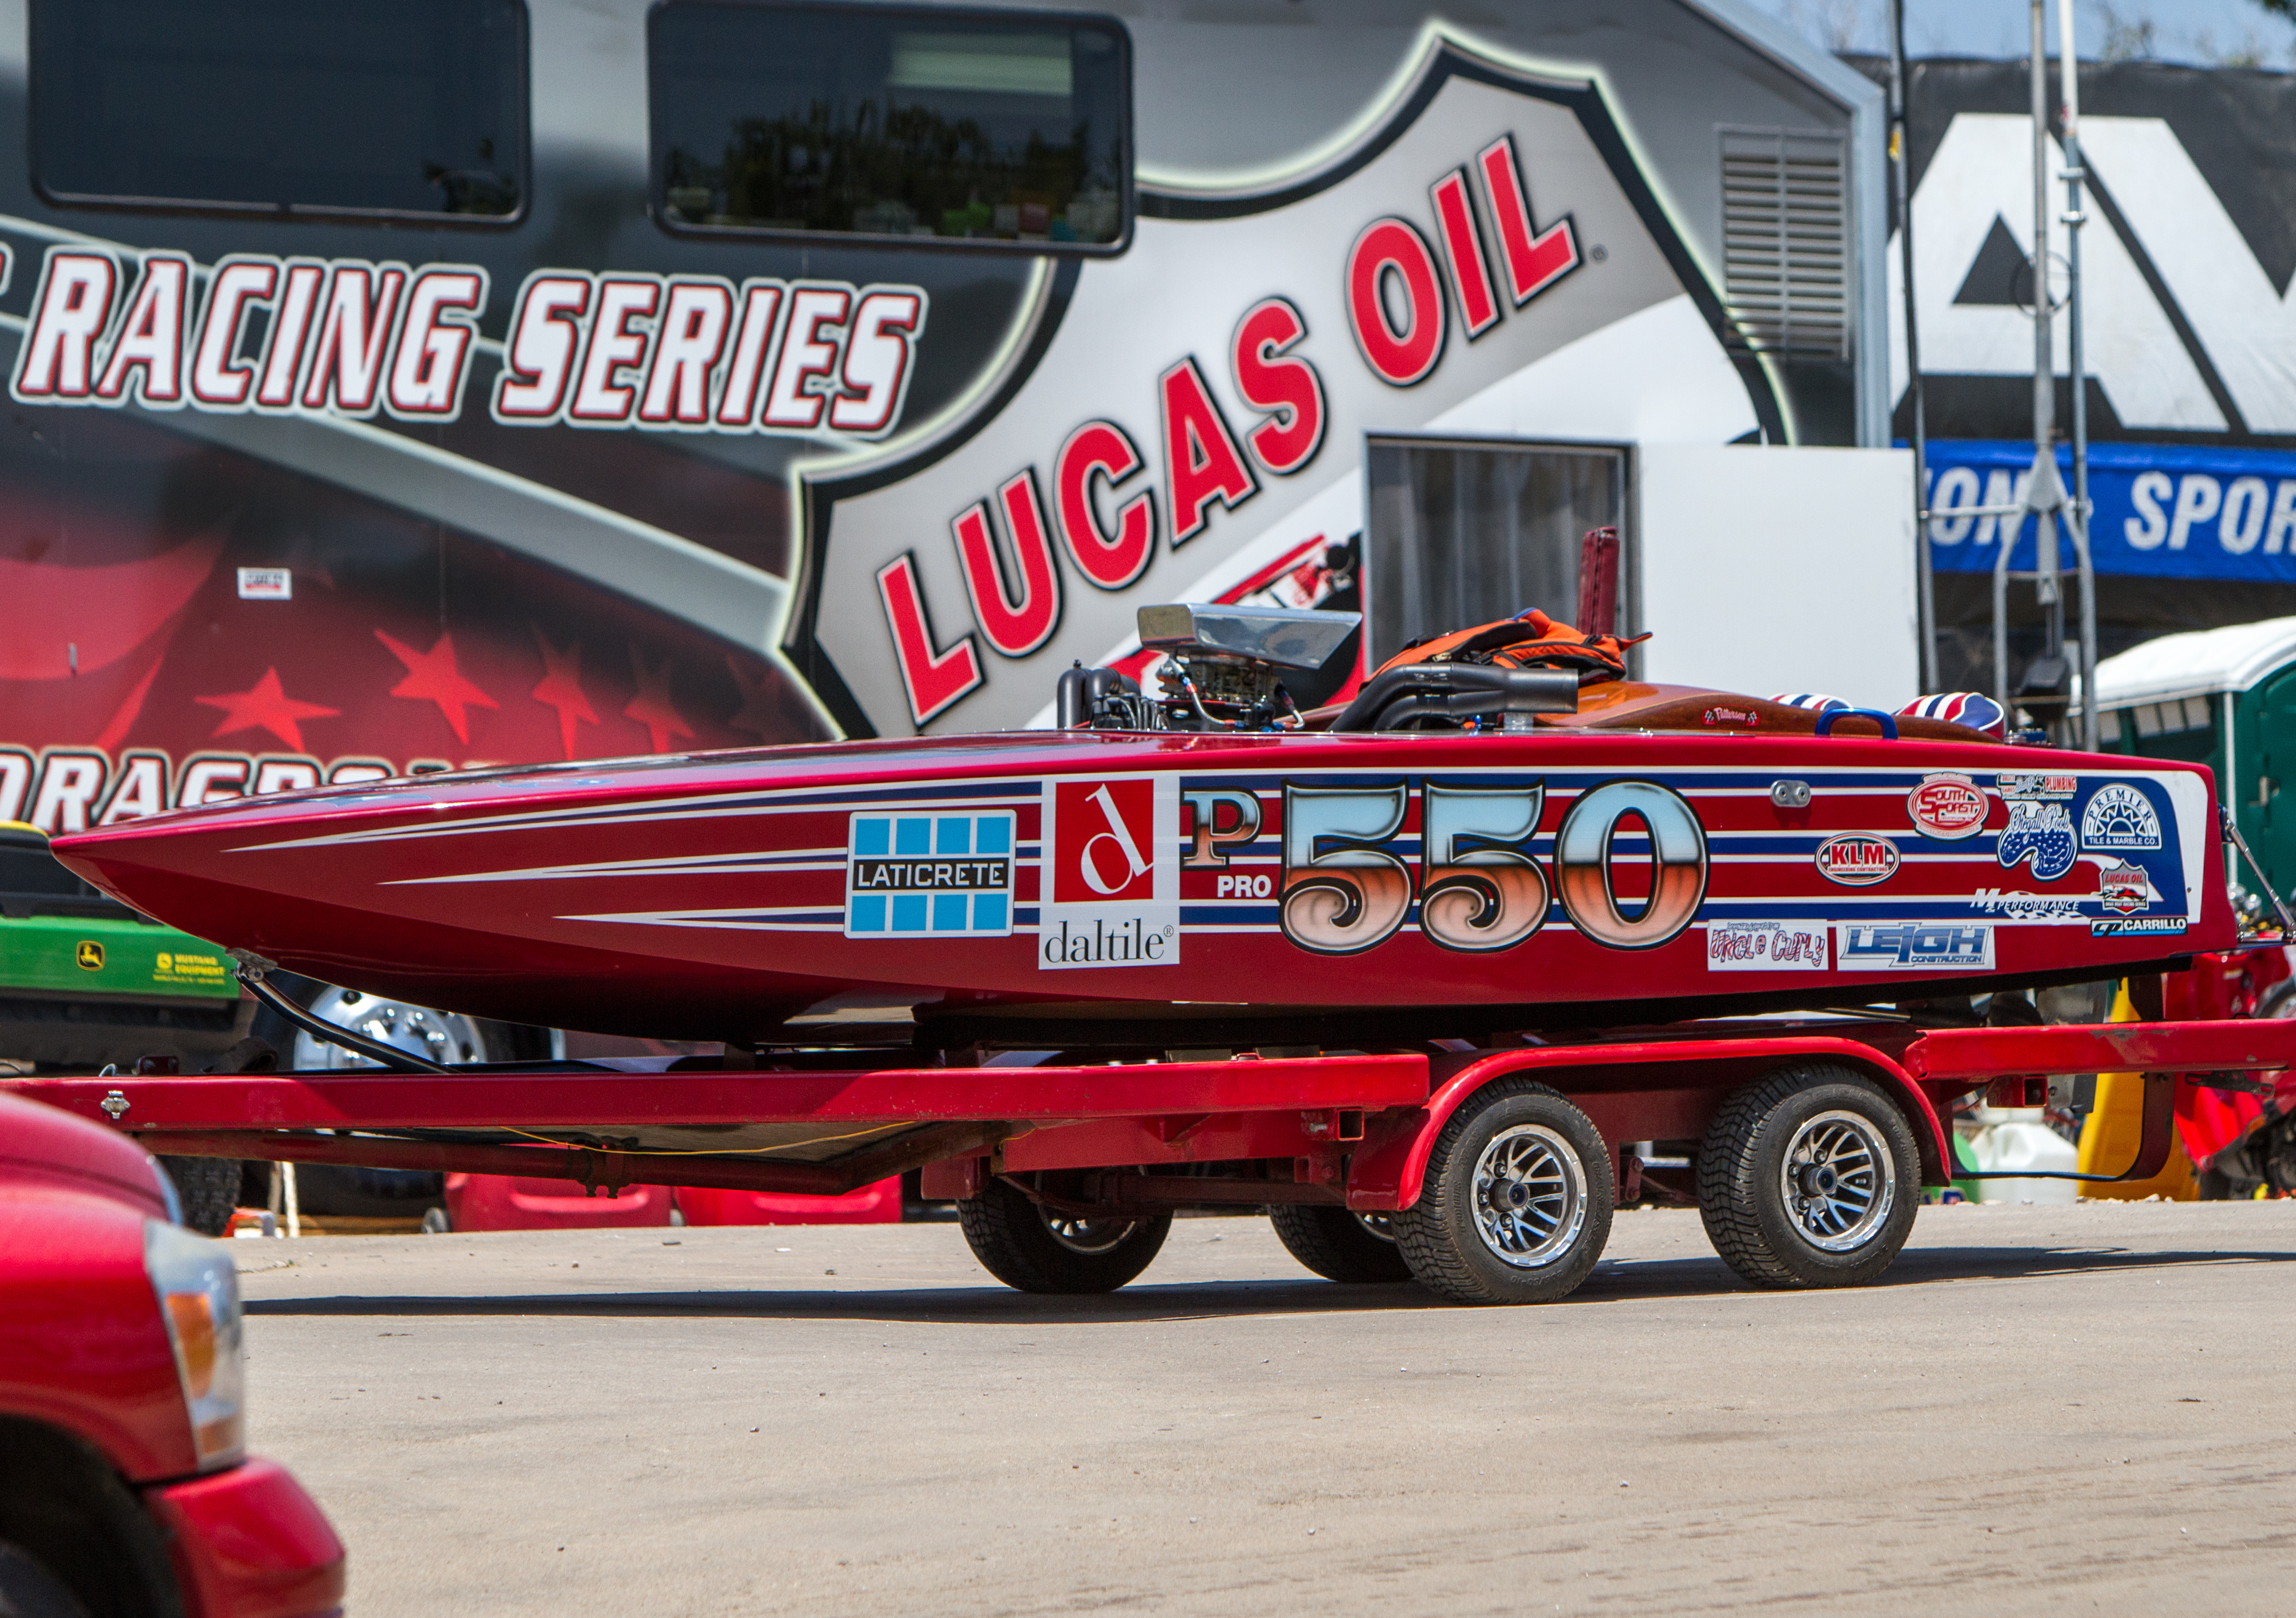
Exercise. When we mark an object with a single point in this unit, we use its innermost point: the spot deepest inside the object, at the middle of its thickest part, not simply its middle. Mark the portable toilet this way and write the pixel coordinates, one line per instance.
(2226, 698)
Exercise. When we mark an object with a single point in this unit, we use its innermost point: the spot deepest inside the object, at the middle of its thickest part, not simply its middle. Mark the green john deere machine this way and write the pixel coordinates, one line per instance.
(85, 981)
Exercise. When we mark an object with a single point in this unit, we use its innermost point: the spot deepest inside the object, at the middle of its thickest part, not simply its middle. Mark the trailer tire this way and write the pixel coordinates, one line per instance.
(1815, 1225)
(207, 1187)
(1338, 1244)
(1033, 1249)
(1516, 1205)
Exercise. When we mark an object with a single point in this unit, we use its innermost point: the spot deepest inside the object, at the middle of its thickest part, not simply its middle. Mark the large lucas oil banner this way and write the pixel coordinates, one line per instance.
(286, 505)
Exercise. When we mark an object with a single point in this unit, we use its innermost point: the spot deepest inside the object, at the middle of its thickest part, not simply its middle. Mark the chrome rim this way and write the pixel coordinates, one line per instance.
(1381, 1225)
(1839, 1181)
(1530, 1196)
(444, 1037)
(1087, 1236)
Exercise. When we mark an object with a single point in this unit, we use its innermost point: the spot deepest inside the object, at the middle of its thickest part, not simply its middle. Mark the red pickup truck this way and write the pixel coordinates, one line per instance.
(125, 1491)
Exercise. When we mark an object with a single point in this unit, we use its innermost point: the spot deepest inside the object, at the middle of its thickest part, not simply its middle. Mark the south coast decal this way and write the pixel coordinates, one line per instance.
(1946, 807)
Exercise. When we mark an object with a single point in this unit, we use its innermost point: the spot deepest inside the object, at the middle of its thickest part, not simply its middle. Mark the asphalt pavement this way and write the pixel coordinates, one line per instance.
(2082, 1409)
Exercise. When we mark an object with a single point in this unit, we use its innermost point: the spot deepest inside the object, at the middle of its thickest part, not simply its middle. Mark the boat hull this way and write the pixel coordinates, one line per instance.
(716, 896)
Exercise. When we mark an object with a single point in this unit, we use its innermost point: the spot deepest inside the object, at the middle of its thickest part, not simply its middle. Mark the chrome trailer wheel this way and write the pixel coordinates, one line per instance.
(1809, 1177)
(445, 1036)
(1516, 1206)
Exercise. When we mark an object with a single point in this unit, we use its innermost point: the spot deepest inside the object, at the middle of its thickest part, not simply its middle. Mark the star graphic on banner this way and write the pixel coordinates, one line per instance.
(652, 706)
(561, 687)
(431, 677)
(265, 706)
(760, 715)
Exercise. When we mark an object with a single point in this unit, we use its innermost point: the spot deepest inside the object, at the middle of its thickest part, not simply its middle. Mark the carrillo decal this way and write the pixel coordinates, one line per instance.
(350, 337)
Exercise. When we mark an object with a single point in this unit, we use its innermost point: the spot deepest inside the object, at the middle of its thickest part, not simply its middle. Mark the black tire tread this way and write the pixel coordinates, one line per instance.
(1728, 1191)
(1007, 1234)
(1421, 1231)
(28, 1589)
(207, 1187)
(1332, 1242)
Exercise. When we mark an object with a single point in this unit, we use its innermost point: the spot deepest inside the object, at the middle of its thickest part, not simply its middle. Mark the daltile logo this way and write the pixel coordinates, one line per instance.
(1111, 876)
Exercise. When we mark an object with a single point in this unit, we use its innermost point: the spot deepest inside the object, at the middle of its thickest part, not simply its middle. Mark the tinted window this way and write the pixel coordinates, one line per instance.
(398, 106)
(1011, 126)
(1466, 534)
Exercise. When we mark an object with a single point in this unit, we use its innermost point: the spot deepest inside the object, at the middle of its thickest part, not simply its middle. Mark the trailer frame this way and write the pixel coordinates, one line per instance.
(1349, 1130)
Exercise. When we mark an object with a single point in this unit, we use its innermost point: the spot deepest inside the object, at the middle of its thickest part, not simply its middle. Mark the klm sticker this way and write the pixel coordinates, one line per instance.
(930, 876)
(1913, 946)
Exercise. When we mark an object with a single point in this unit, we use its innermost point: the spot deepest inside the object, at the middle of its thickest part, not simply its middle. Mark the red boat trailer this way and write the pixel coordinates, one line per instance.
(1358, 1146)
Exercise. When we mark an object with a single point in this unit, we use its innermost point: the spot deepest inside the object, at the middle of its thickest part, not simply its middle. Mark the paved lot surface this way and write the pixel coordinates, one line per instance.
(2079, 1409)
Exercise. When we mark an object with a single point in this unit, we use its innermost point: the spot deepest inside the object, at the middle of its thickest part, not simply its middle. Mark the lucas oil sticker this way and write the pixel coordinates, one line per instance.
(929, 875)
(1914, 947)
(1766, 946)
(1110, 893)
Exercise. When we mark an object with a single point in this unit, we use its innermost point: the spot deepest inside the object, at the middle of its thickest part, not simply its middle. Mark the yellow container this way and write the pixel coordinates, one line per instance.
(2115, 1129)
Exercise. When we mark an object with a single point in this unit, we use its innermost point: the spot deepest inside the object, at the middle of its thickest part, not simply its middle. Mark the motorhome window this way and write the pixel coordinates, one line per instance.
(394, 107)
(1460, 534)
(941, 124)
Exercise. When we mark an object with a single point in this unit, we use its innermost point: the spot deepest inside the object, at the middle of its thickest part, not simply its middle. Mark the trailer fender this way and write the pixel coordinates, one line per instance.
(1390, 1169)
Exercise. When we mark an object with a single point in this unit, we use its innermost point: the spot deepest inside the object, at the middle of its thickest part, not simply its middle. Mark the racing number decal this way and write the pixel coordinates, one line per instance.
(1342, 892)
(1481, 889)
(1584, 859)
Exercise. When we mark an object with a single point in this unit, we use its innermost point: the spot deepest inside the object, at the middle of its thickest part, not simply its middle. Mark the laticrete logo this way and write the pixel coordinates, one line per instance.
(1111, 878)
(930, 876)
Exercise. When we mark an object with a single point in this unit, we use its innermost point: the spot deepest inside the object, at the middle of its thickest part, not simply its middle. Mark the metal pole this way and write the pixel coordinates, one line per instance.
(1901, 158)
(2045, 363)
(2077, 520)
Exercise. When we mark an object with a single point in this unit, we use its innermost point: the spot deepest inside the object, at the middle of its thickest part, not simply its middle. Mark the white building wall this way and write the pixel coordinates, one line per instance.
(1774, 569)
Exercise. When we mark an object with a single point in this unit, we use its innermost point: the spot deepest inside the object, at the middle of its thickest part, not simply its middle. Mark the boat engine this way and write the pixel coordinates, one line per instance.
(1223, 670)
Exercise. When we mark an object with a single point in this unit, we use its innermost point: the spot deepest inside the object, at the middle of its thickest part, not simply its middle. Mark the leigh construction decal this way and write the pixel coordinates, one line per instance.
(1487, 261)
(349, 337)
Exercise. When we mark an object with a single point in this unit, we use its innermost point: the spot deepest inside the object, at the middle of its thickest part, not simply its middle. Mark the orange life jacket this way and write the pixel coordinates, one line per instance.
(1533, 641)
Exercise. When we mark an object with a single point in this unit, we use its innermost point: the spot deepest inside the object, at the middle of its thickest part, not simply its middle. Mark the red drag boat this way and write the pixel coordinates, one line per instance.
(1437, 977)
(1676, 850)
